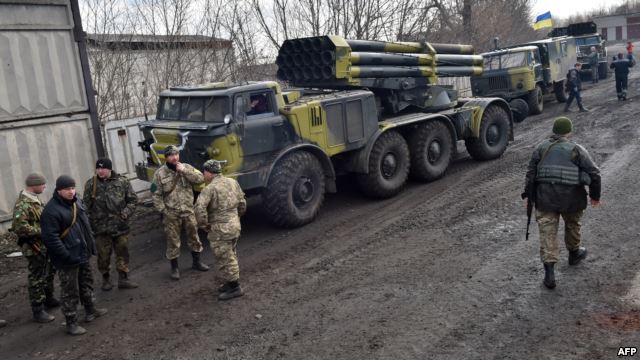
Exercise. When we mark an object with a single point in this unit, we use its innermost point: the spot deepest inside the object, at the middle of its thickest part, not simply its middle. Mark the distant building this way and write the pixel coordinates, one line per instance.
(130, 70)
(619, 27)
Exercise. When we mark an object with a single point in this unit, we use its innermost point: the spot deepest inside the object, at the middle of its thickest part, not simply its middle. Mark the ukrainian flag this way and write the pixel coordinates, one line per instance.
(543, 21)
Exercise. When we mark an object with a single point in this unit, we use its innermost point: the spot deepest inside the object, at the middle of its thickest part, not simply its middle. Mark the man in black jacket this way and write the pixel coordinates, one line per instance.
(66, 233)
(573, 85)
(560, 169)
(620, 66)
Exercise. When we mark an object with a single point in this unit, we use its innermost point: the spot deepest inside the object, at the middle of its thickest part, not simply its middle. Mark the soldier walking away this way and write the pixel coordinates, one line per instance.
(66, 233)
(620, 66)
(110, 202)
(594, 57)
(556, 177)
(172, 192)
(26, 225)
(573, 85)
(218, 210)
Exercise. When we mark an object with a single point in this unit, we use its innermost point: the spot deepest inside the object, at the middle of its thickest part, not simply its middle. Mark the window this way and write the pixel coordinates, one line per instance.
(563, 49)
(196, 109)
(505, 61)
(260, 104)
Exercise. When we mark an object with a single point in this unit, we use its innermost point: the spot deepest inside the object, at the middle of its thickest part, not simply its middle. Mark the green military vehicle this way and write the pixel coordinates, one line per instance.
(586, 36)
(355, 114)
(523, 74)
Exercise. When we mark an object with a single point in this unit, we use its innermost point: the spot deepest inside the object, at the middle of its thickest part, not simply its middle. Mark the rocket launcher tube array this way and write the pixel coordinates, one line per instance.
(332, 59)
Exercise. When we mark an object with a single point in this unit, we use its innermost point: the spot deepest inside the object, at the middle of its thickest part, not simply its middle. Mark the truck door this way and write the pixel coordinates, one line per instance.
(534, 61)
(262, 128)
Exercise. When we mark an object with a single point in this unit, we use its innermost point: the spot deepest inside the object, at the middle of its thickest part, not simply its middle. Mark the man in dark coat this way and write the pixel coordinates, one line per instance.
(620, 66)
(66, 233)
(559, 170)
(573, 85)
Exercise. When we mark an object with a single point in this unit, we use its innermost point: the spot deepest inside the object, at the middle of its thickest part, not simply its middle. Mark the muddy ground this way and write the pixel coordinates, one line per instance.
(442, 271)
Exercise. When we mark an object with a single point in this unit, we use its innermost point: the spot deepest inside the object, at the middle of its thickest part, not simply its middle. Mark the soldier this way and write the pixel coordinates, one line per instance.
(621, 69)
(574, 85)
(218, 211)
(594, 57)
(172, 190)
(110, 202)
(66, 232)
(26, 224)
(558, 172)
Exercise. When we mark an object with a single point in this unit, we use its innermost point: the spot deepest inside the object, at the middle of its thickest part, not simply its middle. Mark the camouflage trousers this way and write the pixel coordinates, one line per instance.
(106, 244)
(226, 257)
(76, 284)
(548, 226)
(41, 274)
(173, 225)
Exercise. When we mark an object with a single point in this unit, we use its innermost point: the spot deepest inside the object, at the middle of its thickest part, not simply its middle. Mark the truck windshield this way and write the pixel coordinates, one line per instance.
(208, 109)
(591, 40)
(505, 61)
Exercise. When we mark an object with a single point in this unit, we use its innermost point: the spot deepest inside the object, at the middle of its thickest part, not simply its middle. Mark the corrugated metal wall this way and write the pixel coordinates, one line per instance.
(44, 119)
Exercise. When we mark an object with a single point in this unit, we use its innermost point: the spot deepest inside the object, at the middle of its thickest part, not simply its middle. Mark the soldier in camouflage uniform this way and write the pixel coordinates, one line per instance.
(26, 225)
(172, 192)
(218, 211)
(110, 202)
(557, 175)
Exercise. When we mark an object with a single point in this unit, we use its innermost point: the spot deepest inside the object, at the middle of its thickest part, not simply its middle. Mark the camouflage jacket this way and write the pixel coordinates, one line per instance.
(169, 196)
(221, 204)
(110, 204)
(26, 221)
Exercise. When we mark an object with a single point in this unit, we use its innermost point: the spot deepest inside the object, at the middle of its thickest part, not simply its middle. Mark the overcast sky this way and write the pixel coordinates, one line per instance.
(565, 8)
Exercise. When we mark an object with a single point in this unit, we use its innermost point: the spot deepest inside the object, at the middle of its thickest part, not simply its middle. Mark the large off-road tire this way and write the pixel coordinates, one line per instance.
(388, 166)
(494, 135)
(603, 70)
(560, 91)
(519, 109)
(295, 190)
(535, 101)
(431, 148)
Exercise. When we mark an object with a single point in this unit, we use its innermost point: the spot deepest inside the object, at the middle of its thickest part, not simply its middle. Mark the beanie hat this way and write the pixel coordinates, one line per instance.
(35, 179)
(65, 181)
(562, 126)
(170, 150)
(213, 166)
(104, 163)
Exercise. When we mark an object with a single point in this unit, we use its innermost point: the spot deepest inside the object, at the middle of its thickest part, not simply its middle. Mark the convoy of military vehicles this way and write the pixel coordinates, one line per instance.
(372, 109)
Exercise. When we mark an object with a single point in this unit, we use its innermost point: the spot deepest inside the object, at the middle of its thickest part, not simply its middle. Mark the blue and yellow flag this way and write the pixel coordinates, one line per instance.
(543, 21)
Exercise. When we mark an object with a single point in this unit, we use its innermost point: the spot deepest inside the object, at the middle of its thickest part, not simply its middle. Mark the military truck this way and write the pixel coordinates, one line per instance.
(586, 35)
(523, 74)
(353, 113)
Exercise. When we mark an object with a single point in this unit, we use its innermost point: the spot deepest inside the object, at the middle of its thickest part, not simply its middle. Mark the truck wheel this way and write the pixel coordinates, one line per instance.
(388, 166)
(535, 101)
(431, 148)
(603, 70)
(559, 90)
(295, 191)
(494, 135)
(520, 109)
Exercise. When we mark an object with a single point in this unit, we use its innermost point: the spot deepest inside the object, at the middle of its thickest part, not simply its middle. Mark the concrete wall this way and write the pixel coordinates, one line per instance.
(44, 119)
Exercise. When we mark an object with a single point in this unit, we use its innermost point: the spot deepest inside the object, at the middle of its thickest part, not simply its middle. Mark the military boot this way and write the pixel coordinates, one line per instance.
(106, 282)
(566, 108)
(72, 326)
(124, 282)
(549, 276)
(40, 315)
(584, 109)
(91, 313)
(223, 288)
(233, 291)
(175, 271)
(50, 301)
(577, 255)
(197, 264)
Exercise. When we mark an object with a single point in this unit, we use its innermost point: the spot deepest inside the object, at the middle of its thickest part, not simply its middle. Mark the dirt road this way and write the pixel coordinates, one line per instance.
(441, 271)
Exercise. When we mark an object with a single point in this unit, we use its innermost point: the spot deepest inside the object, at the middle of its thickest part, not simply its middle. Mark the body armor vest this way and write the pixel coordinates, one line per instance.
(556, 167)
